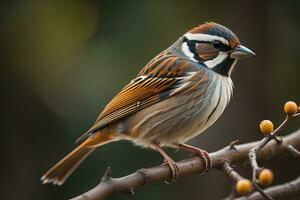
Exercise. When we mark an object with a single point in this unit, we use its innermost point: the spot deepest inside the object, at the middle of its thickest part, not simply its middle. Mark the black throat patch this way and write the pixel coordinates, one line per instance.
(225, 67)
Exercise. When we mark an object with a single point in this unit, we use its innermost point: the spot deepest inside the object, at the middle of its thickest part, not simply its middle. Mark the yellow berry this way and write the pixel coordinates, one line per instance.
(290, 108)
(265, 177)
(266, 127)
(243, 186)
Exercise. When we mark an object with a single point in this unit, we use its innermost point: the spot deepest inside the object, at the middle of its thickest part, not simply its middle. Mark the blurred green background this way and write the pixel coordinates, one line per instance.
(62, 61)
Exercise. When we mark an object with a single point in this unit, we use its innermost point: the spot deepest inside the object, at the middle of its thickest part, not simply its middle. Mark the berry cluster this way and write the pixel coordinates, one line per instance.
(264, 177)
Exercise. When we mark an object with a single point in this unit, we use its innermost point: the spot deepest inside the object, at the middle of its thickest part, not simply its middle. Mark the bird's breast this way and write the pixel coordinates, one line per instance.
(184, 115)
(218, 94)
(207, 108)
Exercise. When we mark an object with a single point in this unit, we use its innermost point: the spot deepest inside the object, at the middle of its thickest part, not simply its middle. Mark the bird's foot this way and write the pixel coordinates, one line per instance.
(168, 161)
(204, 155)
(174, 169)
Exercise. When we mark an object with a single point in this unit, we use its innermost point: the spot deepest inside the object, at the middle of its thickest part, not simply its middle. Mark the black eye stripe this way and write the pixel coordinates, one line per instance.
(217, 45)
(192, 44)
(220, 46)
(192, 47)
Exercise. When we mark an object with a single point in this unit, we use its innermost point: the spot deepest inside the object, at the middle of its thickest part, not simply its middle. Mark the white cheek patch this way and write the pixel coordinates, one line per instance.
(185, 49)
(217, 60)
(205, 37)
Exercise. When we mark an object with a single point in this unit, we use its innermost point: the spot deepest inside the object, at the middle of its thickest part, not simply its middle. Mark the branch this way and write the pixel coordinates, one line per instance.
(294, 151)
(194, 165)
(285, 190)
(267, 126)
(229, 171)
(256, 149)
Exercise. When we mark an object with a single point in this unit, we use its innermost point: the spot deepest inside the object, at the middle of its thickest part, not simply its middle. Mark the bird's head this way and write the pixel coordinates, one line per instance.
(215, 46)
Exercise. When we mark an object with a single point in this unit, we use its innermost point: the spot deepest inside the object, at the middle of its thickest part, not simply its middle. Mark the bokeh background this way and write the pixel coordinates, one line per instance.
(62, 61)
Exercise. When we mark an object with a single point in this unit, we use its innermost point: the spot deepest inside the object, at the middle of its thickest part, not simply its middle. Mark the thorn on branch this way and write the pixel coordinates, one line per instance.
(233, 143)
(107, 175)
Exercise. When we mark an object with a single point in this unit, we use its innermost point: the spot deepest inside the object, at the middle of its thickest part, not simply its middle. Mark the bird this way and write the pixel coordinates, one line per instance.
(176, 96)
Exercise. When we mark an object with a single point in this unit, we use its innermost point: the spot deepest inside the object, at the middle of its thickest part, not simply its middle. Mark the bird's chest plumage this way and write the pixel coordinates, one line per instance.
(202, 100)
(204, 109)
(218, 95)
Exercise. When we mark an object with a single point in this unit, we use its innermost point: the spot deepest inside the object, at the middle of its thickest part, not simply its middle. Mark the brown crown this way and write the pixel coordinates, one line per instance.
(213, 28)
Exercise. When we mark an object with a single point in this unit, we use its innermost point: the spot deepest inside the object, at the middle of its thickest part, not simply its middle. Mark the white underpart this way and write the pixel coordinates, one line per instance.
(224, 86)
(219, 100)
(205, 37)
(217, 60)
(215, 103)
(185, 49)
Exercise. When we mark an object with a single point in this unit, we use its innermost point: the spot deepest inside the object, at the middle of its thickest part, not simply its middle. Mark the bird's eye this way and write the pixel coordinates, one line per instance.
(217, 45)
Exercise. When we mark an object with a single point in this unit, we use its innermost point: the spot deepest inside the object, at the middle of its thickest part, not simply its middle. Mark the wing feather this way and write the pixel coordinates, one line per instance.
(154, 83)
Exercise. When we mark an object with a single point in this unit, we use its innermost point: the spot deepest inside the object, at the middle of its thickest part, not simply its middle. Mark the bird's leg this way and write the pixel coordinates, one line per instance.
(168, 160)
(201, 153)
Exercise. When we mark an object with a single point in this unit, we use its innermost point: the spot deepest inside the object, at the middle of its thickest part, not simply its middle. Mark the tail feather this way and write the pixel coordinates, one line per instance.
(64, 168)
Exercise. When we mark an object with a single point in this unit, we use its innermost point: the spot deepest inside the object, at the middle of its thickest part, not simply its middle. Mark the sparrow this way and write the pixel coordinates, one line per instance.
(175, 97)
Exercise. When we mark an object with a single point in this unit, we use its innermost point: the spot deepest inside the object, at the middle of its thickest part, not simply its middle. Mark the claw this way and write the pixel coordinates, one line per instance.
(167, 160)
(204, 155)
(174, 170)
(206, 159)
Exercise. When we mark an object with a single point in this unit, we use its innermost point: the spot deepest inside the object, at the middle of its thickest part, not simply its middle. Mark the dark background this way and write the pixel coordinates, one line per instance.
(62, 61)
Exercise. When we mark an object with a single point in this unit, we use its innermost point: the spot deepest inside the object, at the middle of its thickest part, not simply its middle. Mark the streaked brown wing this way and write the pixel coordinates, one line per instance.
(155, 82)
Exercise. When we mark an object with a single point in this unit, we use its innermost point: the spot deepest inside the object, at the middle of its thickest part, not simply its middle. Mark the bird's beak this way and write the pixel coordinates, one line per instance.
(241, 52)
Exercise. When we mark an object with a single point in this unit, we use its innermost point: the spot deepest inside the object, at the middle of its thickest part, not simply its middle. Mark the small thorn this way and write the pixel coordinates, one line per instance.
(233, 143)
(107, 174)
